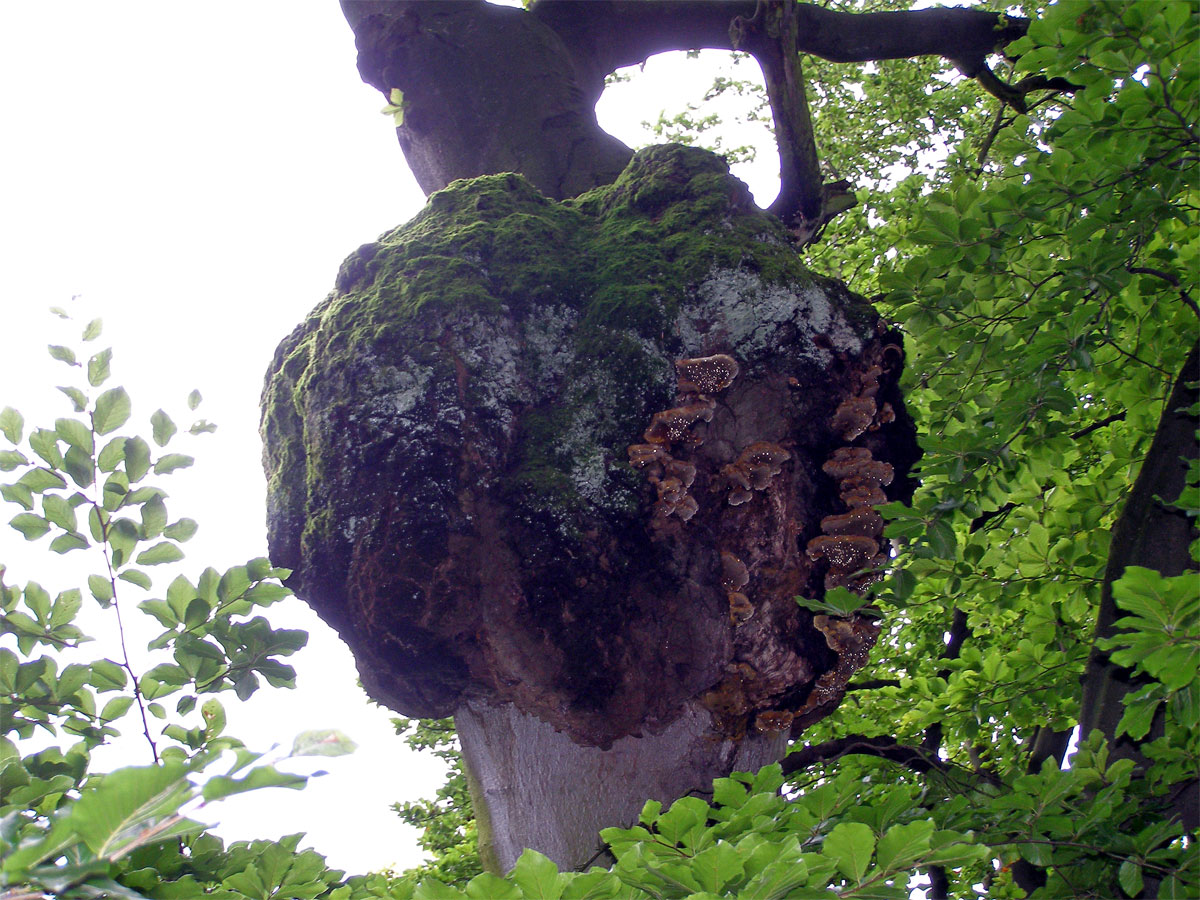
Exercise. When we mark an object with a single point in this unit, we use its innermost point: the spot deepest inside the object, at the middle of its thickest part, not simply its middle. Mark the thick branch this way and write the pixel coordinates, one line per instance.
(490, 89)
(628, 32)
(771, 37)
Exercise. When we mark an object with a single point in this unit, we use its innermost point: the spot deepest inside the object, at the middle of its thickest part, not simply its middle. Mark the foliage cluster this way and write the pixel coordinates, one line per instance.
(1046, 287)
(86, 482)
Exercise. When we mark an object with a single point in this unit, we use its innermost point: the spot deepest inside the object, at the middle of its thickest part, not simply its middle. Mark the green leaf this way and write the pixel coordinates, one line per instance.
(850, 845)
(38, 480)
(162, 428)
(75, 433)
(11, 459)
(12, 425)
(93, 329)
(154, 518)
(44, 443)
(63, 354)
(537, 876)
(79, 466)
(137, 459)
(162, 552)
(903, 844)
(395, 107)
(101, 588)
(66, 605)
(107, 816)
(168, 673)
(182, 530)
(1130, 876)
(322, 742)
(431, 889)
(77, 397)
(112, 411)
(838, 601)
(193, 400)
(265, 593)
(134, 576)
(38, 601)
(266, 776)
(17, 493)
(171, 462)
(115, 708)
(58, 511)
(65, 543)
(99, 368)
(111, 455)
(31, 527)
(122, 538)
(233, 584)
(486, 886)
(107, 675)
(717, 867)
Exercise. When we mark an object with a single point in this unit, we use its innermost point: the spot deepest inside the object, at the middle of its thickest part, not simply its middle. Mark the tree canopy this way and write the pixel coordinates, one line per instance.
(1028, 724)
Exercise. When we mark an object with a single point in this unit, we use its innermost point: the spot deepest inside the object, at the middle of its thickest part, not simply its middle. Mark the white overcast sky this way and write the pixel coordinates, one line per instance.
(196, 172)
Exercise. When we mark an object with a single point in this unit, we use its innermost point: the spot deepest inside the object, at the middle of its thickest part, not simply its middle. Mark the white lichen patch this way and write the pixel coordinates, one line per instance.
(550, 348)
(489, 348)
(734, 309)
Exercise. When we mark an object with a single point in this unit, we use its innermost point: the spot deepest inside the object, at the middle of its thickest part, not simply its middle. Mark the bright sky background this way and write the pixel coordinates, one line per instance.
(197, 172)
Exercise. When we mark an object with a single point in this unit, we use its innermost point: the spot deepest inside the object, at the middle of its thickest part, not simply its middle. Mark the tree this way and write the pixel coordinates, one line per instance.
(1079, 193)
(1043, 276)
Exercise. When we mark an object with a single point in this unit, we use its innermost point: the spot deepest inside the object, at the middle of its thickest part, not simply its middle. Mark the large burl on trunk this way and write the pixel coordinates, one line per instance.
(560, 469)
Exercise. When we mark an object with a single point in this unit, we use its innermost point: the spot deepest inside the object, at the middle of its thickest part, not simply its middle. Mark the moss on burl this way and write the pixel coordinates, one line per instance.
(446, 441)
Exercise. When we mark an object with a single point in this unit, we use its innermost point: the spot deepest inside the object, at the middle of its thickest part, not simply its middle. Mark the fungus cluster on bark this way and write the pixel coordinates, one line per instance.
(453, 484)
(698, 381)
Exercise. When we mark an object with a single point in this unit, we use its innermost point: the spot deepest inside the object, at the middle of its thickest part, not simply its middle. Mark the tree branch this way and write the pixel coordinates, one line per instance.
(490, 89)
(804, 204)
(1169, 279)
(871, 684)
(884, 747)
(617, 33)
(1013, 95)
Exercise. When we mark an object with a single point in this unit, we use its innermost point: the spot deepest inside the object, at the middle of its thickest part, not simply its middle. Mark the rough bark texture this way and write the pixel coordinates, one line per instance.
(489, 474)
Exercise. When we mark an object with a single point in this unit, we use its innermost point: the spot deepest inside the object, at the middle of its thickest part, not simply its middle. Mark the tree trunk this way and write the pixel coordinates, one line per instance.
(532, 786)
(1153, 534)
(562, 470)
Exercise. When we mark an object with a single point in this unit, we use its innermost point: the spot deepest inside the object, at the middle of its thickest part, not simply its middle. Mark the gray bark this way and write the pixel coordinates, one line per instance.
(557, 799)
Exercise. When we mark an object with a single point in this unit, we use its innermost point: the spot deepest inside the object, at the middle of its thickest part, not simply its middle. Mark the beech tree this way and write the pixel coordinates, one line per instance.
(453, 440)
(799, 594)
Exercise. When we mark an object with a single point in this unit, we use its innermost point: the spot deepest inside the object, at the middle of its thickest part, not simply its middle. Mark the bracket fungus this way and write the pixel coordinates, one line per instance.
(513, 453)
(706, 375)
(753, 470)
(672, 425)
